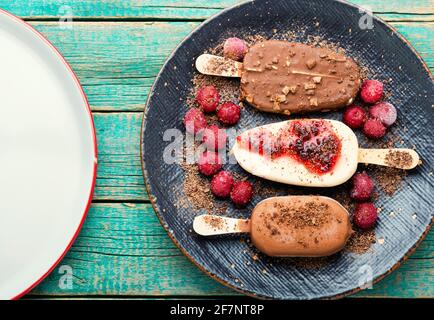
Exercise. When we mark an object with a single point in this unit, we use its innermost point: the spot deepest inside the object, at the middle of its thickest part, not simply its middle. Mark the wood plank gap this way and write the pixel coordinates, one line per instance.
(120, 201)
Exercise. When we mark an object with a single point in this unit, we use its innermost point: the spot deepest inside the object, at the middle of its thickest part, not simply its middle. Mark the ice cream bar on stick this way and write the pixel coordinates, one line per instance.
(289, 77)
(289, 226)
(311, 152)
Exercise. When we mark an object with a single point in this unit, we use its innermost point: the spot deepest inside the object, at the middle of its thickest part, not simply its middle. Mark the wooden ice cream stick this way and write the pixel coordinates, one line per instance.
(396, 158)
(210, 225)
(211, 65)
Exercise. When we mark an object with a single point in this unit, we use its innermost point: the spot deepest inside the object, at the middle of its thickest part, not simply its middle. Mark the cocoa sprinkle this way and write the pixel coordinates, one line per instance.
(310, 214)
(196, 189)
(399, 159)
(361, 241)
(217, 223)
(389, 179)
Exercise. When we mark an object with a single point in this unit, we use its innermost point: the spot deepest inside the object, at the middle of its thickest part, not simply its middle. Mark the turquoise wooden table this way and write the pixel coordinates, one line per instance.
(116, 48)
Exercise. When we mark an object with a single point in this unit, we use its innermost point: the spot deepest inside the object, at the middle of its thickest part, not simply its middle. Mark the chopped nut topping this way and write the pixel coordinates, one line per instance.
(309, 86)
(293, 89)
(316, 79)
(313, 102)
(285, 90)
(249, 98)
(311, 63)
(280, 98)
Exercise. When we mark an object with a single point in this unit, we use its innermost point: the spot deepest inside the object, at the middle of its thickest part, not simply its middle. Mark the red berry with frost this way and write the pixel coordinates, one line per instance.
(374, 129)
(194, 121)
(235, 49)
(209, 163)
(354, 117)
(242, 193)
(371, 91)
(363, 186)
(385, 112)
(208, 98)
(221, 184)
(214, 138)
(365, 215)
(229, 113)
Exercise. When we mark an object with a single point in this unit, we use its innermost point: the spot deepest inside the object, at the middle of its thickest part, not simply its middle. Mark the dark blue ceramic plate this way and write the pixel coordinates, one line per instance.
(388, 56)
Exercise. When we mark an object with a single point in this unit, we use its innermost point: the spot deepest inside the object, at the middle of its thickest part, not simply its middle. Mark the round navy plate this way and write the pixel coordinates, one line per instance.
(389, 57)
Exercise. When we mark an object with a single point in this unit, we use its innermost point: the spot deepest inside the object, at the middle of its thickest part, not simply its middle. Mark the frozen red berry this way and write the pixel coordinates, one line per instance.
(209, 163)
(235, 49)
(221, 184)
(362, 187)
(385, 112)
(374, 129)
(354, 116)
(242, 193)
(194, 121)
(371, 91)
(208, 98)
(214, 138)
(229, 113)
(365, 215)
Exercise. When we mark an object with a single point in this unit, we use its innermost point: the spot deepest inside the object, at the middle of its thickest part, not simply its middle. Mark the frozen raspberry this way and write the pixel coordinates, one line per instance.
(365, 215)
(229, 113)
(214, 138)
(221, 184)
(354, 117)
(209, 163)
(385, 112)
(235, 49)
(208, 98)
(242, 193)
(194, 121)
(371, 91)
(362, 187)
(374, 129)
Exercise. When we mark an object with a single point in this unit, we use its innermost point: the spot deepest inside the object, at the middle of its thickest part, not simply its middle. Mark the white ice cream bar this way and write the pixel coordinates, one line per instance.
(289, 170)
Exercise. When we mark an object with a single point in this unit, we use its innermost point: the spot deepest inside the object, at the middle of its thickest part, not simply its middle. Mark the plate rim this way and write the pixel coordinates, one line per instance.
(94, 143)
(152, 198)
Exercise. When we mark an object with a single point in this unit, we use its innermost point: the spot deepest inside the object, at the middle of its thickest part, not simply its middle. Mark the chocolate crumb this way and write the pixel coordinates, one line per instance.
(396, 158)
(389, 179)
(196, 188)
(361, 241)
(217, 223)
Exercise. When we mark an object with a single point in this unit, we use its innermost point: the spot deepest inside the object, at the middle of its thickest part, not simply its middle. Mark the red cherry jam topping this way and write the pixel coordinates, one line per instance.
(310, 142)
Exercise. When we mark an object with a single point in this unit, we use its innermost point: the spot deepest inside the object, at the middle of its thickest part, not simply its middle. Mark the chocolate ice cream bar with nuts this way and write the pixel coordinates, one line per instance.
(289, 77)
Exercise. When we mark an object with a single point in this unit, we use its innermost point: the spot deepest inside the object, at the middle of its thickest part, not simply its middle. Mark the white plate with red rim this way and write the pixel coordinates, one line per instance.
(48, 157)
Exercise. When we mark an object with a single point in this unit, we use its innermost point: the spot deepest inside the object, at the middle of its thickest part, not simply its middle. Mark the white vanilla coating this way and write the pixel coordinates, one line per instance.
(289, 171)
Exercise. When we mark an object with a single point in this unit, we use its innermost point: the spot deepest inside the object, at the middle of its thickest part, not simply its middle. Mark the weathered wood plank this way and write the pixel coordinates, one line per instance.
(119, 175)
(117, 62)
(122, 249)
(178, 9)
